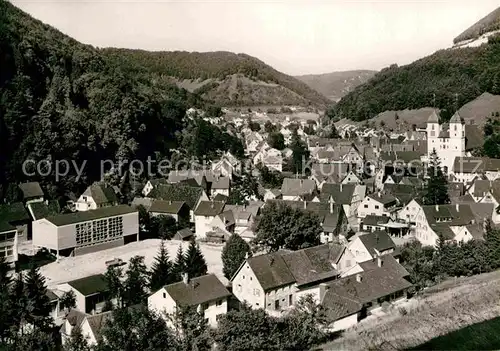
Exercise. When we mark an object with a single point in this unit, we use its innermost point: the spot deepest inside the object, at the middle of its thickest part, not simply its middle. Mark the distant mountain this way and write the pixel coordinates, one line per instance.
(488, 24)
(224, 77)
(336, 85)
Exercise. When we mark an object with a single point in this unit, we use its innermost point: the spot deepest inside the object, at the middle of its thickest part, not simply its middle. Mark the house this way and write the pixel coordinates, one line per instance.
(32, 192)
(466, 169)
(179, 210)
(87, 231)
(73, 319)
(272, 194)
(244, 215)
(221, 185)
(328, 173)
(97, 196)
(15, 214)
(373, 223)
(185, 234)
(349, 299)
(8, 243)
(368, 246)
(152, 184)
(276, 281)
(39, 210)
(273, 162)
(409, 212)
(204, 215)
(445, 221)
(487, 192)
(206, 293)
(332, 217)
(378, 205)
(191, 195)
(347, 195)
(293, 189)
(91, 293)
(451, 140)
(351, 178)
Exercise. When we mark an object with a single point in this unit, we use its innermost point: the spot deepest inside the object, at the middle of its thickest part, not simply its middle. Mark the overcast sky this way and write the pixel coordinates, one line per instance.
(296, 37)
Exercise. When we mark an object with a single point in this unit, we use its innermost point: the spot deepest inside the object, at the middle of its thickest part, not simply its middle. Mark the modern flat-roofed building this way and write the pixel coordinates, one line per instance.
(87, 231)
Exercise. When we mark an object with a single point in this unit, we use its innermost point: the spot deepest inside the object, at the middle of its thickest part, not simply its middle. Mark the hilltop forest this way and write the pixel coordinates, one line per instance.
(453, 76)
(62, 100)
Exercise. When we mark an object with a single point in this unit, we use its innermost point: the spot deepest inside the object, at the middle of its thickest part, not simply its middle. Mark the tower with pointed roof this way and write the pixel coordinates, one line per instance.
(448, 139)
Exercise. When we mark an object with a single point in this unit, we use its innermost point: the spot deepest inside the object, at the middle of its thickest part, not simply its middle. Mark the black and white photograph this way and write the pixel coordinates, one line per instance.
(249, 175)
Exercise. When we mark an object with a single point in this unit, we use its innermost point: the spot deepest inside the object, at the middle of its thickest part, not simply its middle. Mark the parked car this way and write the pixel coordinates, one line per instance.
(116, 262)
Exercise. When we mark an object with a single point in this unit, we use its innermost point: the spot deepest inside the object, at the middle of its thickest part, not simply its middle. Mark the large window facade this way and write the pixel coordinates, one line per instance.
(99, 231)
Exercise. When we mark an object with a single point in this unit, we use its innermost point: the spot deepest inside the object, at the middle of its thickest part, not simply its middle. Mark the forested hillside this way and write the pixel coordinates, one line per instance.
(62, 100)
(221, 76)
(336, 85)
(468, 72)
(489, 23)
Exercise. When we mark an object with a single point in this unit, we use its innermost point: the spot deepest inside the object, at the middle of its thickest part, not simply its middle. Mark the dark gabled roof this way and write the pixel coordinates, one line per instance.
(84, 216)
(313, 264)
(13, 213)
(340, 193)
(220, 197)
(177, 192)
(338, 306)
(221, 183)
(401, 156)
(41, 210)
(169, 207)
(443, 230)
(374, 284)
(31, 190)
(184, 234)
(375, 220)
(377, 241)
(6, 227)
(90, 285)
(399, 189)
(460, 214)
(101, 194)
(271, 270)
(97, 322)
(335, 171)
(198, 291)
(295, 187)
(75, 317)
(209, 208)
(388, 262)
(482, 211)
(476, 230)
(384, 199)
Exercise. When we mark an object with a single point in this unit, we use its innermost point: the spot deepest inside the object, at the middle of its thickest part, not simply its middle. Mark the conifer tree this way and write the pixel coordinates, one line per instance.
(162, 270)
(233, 255)
(195, 264)
(136, 282)
(77, 342)
(436, 191)
(38, 302)
(179, 265)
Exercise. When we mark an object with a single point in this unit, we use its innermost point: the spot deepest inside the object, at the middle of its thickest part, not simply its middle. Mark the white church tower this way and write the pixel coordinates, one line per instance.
(447, 139)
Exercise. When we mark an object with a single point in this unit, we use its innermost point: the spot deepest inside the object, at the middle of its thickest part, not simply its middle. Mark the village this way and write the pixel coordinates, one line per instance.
(363, 185)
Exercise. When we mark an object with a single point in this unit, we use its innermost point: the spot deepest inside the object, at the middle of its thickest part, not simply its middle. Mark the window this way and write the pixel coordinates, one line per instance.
(218, 303)
(164, 295)
(277, 304)
(365, 206)
(377, 207)
(204, 306)
(256, 292)
(6, 251)
(290, 300)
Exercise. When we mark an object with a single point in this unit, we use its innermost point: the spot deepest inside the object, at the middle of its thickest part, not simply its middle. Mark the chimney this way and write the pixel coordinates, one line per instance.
(170, 202)
(358, 278)
(379, 261)
(301, 182)
(305, 205)
(340, 187)
(212, 204)
(331, 205)
(185, 278)
(457, 207)
(437, 208)
(246, 255)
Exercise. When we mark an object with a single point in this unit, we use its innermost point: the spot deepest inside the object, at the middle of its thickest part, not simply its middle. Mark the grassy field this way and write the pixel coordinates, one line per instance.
(480, 336)
(441, 310)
